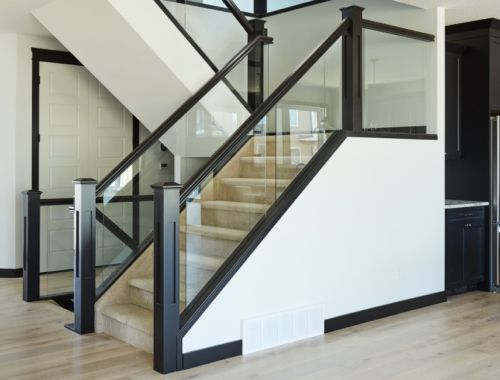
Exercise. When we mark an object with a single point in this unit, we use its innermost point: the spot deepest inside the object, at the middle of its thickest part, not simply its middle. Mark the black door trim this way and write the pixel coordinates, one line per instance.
(51, 56)
(42, 55)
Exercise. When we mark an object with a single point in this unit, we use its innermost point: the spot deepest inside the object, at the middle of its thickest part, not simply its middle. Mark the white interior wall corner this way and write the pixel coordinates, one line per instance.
(8, 93)
(24, 125)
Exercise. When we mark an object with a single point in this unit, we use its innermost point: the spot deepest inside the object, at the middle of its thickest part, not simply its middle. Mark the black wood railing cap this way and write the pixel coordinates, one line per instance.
(31, 192)
(357, 7)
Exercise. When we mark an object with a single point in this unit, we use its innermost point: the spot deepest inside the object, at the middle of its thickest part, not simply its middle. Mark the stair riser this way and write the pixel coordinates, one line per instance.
(128, 334)
(250, 170)
(197, 278)
(243, 221)
(248, 194)
(207, 246)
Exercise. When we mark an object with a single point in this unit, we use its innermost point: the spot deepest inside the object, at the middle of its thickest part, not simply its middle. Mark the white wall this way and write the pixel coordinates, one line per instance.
(15, 108)
(8, 90)
(369, 229)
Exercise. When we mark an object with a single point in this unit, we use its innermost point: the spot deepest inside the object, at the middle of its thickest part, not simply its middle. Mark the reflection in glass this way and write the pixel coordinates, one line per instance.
(394, 83)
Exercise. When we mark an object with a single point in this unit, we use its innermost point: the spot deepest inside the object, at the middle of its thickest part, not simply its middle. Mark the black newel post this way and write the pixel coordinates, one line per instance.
(31, 245)
(352, 66)
(166, 276)
(256, 66)
(85, 252)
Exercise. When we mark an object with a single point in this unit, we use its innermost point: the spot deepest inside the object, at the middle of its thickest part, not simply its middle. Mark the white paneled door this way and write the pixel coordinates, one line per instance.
(84, 132)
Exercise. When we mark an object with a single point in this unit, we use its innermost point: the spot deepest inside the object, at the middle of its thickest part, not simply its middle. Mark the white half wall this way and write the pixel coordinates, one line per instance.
(367, 231)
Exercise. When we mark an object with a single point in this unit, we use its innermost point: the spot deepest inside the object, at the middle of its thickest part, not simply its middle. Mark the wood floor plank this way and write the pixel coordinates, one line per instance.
(459, 339)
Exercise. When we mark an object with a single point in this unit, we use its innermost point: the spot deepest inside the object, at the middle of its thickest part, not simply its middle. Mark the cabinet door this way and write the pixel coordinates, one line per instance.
(454, 255)
(452, 137)
(473, 252)
(495, 73)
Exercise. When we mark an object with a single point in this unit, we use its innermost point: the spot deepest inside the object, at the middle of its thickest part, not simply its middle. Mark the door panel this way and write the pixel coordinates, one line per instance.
(64, 101)
(85, 132)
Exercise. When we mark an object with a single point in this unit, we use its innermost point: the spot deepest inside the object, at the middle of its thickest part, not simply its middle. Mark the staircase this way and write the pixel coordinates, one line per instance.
(212, 225)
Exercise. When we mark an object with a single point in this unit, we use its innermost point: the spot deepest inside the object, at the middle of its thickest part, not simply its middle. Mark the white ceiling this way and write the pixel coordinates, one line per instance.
(458, 11)
(16, 17)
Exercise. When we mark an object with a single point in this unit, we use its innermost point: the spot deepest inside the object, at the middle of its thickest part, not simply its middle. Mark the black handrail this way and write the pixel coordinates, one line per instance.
(225, 151)
(179, 113)
(233, 8)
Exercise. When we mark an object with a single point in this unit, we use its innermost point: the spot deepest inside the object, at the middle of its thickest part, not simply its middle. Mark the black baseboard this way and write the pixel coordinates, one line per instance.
(11, 273)
(212, 354)
(379, 312)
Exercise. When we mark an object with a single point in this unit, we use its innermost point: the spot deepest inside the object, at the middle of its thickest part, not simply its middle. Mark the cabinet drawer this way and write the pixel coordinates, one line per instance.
(464, 214)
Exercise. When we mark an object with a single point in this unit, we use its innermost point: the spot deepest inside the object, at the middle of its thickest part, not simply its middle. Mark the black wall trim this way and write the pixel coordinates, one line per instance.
(11, 273)
(379, 312)
(212, 354)
(232, 349)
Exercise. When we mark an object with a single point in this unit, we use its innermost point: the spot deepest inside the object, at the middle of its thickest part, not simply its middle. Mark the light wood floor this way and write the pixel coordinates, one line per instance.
(456, 340)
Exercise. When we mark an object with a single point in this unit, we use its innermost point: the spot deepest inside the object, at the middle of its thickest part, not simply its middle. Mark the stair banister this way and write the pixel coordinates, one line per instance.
(166, 277)
(84, 256)
(31, 248)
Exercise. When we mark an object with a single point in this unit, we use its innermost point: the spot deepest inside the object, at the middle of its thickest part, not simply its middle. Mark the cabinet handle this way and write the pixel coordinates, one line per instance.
(468, 225)
(467, 214)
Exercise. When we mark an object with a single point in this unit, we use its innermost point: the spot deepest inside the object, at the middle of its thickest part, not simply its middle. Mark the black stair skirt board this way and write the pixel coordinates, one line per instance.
(384, 311)
(11, 273)
(212, 354)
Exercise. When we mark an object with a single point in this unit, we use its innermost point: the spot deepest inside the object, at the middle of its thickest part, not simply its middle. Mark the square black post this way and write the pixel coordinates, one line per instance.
(166, 277)
(352, 66)
(84, 273)
(31, 245)
(256, 66)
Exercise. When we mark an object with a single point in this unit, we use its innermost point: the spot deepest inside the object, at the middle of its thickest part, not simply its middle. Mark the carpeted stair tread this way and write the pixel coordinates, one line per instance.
(215, 232)
(257, 208)
(256, 182)
(202, 262)
(143, 283)
(271, 159)
(131, 315)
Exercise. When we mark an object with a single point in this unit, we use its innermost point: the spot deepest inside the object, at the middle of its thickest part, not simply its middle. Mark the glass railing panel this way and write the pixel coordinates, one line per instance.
(276, 5)
(230, 201)
(215, 31)
(244, 5)
(56, 250)
(221, 212)
(175, 157)
(307, 116)
(394, 83)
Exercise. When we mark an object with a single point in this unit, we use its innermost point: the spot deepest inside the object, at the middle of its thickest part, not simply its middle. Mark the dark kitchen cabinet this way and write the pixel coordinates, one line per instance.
(465, 247)
(495, 74)
(453, 101)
